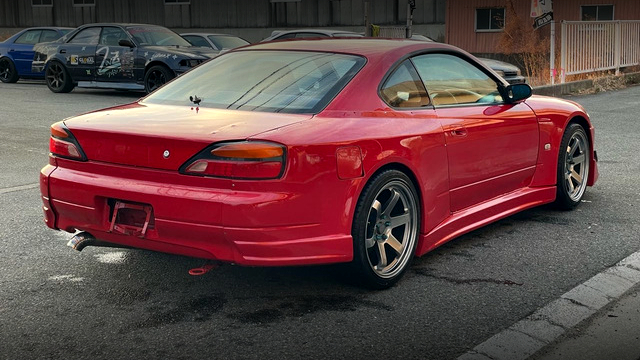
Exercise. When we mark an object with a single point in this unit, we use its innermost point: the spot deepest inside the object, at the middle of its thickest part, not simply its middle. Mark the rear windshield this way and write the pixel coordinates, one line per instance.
(270, 81)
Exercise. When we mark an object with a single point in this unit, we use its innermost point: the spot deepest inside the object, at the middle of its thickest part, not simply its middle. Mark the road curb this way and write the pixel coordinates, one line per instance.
(545, 325)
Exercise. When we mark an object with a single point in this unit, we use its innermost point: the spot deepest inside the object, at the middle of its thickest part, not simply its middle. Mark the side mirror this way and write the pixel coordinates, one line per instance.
(126, 42)
(517, 92)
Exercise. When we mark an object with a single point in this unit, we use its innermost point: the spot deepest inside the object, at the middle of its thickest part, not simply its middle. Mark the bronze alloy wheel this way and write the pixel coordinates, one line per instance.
(573, 167)
(386, 228)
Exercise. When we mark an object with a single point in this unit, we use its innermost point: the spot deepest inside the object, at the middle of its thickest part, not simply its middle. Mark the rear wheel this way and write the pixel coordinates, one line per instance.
(155, 77)
(385, 229)
(573, 167)
(8, 72)
(58, 78)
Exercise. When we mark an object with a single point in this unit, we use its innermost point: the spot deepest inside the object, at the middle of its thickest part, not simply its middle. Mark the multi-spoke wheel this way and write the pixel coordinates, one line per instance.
(58, 78)
(155, 77)
(573, 167)
(8, 72)
(385, 229)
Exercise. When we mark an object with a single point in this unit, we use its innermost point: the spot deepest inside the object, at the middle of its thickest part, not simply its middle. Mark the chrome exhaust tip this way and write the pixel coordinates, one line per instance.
(81, 240)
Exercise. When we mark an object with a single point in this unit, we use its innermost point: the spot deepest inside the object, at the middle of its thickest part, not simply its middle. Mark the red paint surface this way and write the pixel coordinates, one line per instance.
(471, 165)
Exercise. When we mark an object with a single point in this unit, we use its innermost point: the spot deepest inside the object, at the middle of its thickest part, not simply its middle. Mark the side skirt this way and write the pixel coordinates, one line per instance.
(472, 218)
(110, 85)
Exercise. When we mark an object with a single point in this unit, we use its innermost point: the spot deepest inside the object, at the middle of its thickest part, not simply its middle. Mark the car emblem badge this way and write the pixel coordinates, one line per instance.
(166, 154)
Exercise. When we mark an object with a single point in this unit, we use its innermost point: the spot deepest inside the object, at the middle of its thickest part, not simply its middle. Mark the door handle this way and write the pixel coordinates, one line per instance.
(10, 50)
(63, 51)
(458, 131)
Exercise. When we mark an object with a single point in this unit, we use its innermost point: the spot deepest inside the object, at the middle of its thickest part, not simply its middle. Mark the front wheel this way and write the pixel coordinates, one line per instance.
(8, 72)
(385, 229)
(58, 78)
(155, 77)
(573, 167)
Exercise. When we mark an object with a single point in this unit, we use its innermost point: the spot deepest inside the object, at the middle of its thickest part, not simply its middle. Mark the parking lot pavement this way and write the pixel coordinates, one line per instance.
(121, 303)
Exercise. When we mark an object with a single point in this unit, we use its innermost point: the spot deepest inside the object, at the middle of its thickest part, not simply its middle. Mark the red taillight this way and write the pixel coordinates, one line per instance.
(241, 160)
(63, 144)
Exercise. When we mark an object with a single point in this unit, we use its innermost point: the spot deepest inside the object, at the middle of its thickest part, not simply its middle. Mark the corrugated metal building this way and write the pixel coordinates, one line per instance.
(218, 14)
(466, 28)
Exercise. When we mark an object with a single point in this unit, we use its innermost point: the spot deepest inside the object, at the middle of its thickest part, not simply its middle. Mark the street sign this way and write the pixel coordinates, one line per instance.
(540, 7)
(542, 20)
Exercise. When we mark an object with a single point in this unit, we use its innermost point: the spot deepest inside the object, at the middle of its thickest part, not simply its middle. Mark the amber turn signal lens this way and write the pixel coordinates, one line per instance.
(248, 150)
(57, 130)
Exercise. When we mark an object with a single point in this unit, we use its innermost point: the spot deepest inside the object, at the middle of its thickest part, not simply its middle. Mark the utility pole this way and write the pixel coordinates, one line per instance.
(411, 5)
(367, 24)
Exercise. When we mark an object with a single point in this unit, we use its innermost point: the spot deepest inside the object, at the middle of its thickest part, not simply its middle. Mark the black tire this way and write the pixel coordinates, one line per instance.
(386, 221)
(573, 167)
(156, 76)
(8, 72)
(58, 78)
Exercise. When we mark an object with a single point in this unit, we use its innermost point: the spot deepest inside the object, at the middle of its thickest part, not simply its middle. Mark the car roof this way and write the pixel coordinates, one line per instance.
(367, 47)
(321, 31)
(48, 28)
(207, 34)
(121, 24)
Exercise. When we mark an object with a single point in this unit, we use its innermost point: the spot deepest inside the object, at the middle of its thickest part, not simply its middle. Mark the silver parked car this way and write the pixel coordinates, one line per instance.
(215, 41)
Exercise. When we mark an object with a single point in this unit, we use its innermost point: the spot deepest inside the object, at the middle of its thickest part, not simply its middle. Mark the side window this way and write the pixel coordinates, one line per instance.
(111, 36)
(197, 41)
(87, 36)
(451, 80)
(30, 37)
(403, 89)
(49, 35)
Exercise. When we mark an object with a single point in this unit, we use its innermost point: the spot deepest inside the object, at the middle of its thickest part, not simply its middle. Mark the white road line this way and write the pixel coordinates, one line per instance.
(18, 188)
(527, 336)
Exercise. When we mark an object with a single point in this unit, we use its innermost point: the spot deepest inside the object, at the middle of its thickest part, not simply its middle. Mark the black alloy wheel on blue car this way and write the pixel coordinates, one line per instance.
(8, 72)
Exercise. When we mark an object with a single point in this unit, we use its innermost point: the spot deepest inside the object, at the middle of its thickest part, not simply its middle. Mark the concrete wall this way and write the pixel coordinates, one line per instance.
(221, 13)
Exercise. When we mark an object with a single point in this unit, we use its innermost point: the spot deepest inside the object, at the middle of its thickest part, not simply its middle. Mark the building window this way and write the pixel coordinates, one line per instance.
(177, 2)
(84, 2)
(41, 2)
(596, 12)
(489, 19)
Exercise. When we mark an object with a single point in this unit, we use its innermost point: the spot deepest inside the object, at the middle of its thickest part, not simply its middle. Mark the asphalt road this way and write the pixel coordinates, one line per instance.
(104, 303)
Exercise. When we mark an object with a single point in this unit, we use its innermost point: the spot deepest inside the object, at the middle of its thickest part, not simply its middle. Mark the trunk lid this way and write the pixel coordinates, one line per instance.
(165, 137)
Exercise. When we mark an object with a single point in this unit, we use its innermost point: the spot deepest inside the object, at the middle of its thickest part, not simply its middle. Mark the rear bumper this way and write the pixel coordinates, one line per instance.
(265, 228)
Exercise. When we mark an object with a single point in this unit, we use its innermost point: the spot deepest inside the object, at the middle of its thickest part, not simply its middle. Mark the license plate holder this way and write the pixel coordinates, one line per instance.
(130, 218)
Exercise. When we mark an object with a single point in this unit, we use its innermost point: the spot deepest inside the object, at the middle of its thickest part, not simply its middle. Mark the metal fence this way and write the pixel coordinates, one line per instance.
(589, 46)
(394, 32)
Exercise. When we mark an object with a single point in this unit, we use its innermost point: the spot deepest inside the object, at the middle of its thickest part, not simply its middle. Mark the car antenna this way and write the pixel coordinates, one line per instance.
(195, 99)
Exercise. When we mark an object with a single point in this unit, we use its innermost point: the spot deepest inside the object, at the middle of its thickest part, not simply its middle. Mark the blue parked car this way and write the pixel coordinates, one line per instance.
(16, 53)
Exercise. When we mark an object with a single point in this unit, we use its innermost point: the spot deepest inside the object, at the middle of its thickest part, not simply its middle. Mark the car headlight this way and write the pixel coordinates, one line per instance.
(190, 62)
(500, 72)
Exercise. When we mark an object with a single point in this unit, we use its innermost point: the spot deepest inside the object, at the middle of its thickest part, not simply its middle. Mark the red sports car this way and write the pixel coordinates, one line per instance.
(317, 151)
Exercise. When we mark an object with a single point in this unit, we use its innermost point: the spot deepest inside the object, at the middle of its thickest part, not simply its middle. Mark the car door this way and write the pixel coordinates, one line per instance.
(491, 146)
(80, 51)
(114, 63)
(22, 50)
